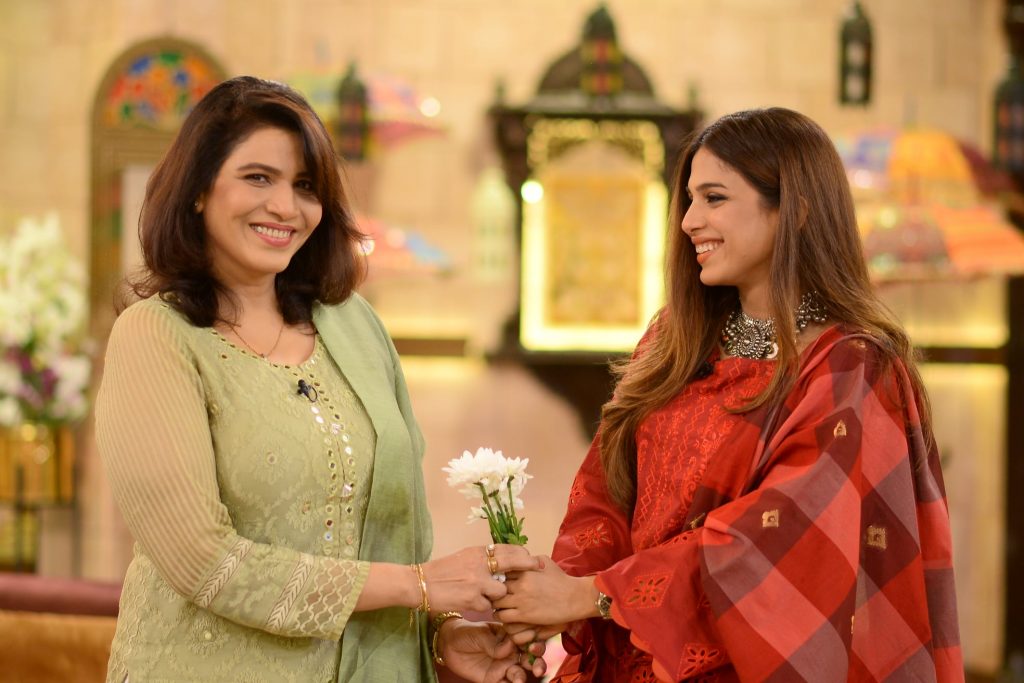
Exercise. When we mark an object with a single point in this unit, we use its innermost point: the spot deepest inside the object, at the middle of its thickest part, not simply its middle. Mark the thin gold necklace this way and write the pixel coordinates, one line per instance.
(277, 341)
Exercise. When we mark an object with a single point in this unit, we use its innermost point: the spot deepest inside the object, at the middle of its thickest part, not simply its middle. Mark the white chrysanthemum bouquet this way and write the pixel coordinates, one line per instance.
(44, 373)
(497, 482)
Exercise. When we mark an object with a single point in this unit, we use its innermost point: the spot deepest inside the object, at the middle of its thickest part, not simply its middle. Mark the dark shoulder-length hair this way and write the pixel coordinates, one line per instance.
(177, 263)
(795, 168)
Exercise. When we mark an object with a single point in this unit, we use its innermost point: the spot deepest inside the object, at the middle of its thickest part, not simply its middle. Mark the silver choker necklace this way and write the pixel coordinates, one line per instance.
(748, 337)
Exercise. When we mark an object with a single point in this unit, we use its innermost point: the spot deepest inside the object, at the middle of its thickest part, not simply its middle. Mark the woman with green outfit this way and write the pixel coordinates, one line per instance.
(257, 432)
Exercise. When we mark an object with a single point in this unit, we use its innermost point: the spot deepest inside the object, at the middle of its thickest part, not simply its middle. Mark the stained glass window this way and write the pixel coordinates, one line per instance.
(157, 89)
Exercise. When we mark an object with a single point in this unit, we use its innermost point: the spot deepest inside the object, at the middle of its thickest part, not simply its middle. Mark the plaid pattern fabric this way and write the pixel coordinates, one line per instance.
(810, 543)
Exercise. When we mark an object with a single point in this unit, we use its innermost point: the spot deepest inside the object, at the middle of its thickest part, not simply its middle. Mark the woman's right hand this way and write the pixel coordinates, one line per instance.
(463, 581)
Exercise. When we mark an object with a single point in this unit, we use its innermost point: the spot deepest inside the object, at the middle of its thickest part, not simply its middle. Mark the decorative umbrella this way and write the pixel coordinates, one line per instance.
(395, 251)
(398, 112)
(924, 206)
(904, 242)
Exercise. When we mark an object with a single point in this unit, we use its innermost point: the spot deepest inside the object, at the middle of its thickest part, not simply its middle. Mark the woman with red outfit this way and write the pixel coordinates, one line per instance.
(763, 500)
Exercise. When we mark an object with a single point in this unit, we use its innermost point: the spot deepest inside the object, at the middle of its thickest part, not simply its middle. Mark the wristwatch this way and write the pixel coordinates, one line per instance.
(604, 605)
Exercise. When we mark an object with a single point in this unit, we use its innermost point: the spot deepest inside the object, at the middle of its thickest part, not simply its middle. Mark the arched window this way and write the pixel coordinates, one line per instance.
(140, 104)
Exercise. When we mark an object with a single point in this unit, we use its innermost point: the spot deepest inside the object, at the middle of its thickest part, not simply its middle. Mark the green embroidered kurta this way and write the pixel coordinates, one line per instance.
(256, 511)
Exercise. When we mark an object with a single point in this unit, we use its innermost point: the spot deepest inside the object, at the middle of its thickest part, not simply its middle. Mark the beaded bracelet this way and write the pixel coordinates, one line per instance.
(435, 625)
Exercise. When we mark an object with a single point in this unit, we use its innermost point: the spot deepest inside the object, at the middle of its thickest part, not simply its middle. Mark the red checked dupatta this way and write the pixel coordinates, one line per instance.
(809, 543)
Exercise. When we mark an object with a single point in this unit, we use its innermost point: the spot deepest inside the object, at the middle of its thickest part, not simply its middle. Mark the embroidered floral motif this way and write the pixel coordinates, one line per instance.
(592, 536)
(648, 591)
(698, 657)
(676, 445)
(576, 493)
(636, 667)
(643, 674)
(686, 535)
(840, 430)
(770, 519)
(206, 634)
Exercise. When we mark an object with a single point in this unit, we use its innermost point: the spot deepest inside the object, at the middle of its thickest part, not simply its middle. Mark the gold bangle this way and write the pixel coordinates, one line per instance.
(424, 599)
(435, 639)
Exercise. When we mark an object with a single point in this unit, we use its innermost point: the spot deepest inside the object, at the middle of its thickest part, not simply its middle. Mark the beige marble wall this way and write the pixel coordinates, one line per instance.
(937, 63)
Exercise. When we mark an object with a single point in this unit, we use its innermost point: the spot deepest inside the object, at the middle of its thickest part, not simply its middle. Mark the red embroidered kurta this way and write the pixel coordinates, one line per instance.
(809, 543)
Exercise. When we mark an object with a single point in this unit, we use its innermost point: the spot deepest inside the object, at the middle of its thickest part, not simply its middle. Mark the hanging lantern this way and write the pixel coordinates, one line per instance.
(1008, 147)
(601, 75)
(855, 57)
(352, 127)
(1008, 150)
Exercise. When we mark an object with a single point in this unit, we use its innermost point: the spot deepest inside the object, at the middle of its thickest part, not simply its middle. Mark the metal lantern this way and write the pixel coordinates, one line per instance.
(1008, 147)
(352, 127)
(855, 47)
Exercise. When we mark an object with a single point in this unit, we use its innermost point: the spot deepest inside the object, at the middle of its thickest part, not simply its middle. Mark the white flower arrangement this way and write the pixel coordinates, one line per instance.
(44, 369)
(497, 482)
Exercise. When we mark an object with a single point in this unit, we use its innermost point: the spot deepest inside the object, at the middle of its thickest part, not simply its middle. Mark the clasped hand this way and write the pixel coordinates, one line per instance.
(466, 581)
(541, 603)
(536, 601)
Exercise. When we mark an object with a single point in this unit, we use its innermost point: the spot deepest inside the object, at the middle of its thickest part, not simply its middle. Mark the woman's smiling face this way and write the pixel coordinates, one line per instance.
(732, 230)
(261, 207)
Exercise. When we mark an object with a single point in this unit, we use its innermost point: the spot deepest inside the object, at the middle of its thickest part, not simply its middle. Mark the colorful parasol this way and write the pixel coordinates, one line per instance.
(398, 112)
(393, 251)
(925, 206)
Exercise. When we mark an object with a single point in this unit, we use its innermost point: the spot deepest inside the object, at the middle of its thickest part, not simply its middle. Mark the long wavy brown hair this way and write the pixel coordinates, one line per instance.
(172, 233)
(795, 168)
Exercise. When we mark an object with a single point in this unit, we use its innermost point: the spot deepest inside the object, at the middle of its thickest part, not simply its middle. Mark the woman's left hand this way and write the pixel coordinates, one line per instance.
(546, 596)
(482, 652)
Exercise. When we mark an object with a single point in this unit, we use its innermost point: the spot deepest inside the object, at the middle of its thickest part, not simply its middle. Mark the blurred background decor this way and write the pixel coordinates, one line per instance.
(930, 206)
(44, 380)
(85, 80)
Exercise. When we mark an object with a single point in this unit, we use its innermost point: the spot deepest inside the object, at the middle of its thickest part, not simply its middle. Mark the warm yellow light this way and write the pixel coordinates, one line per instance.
(532, 192)
(536, 333)
(430, 107)
(952, 313)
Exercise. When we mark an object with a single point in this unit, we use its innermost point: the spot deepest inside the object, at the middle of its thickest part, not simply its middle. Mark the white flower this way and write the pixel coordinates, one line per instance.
(42, 315)
(10, 412)
(515, 470)
(496, 481)
(10, 378)
(72, 382)
(15, 319)
(486, 467)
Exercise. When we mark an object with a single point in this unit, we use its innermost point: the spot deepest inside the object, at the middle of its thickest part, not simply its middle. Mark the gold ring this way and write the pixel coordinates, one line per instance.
(489, 550)
(492, 564)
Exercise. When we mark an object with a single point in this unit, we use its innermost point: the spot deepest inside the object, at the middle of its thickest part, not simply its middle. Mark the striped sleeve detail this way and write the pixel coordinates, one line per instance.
(222, 574)
(152, 430)
(290, 594)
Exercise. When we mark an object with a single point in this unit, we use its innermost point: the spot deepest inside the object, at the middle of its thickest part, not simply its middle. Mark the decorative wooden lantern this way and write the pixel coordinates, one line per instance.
(1008, 147)
(855, 46)
(352, 127)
